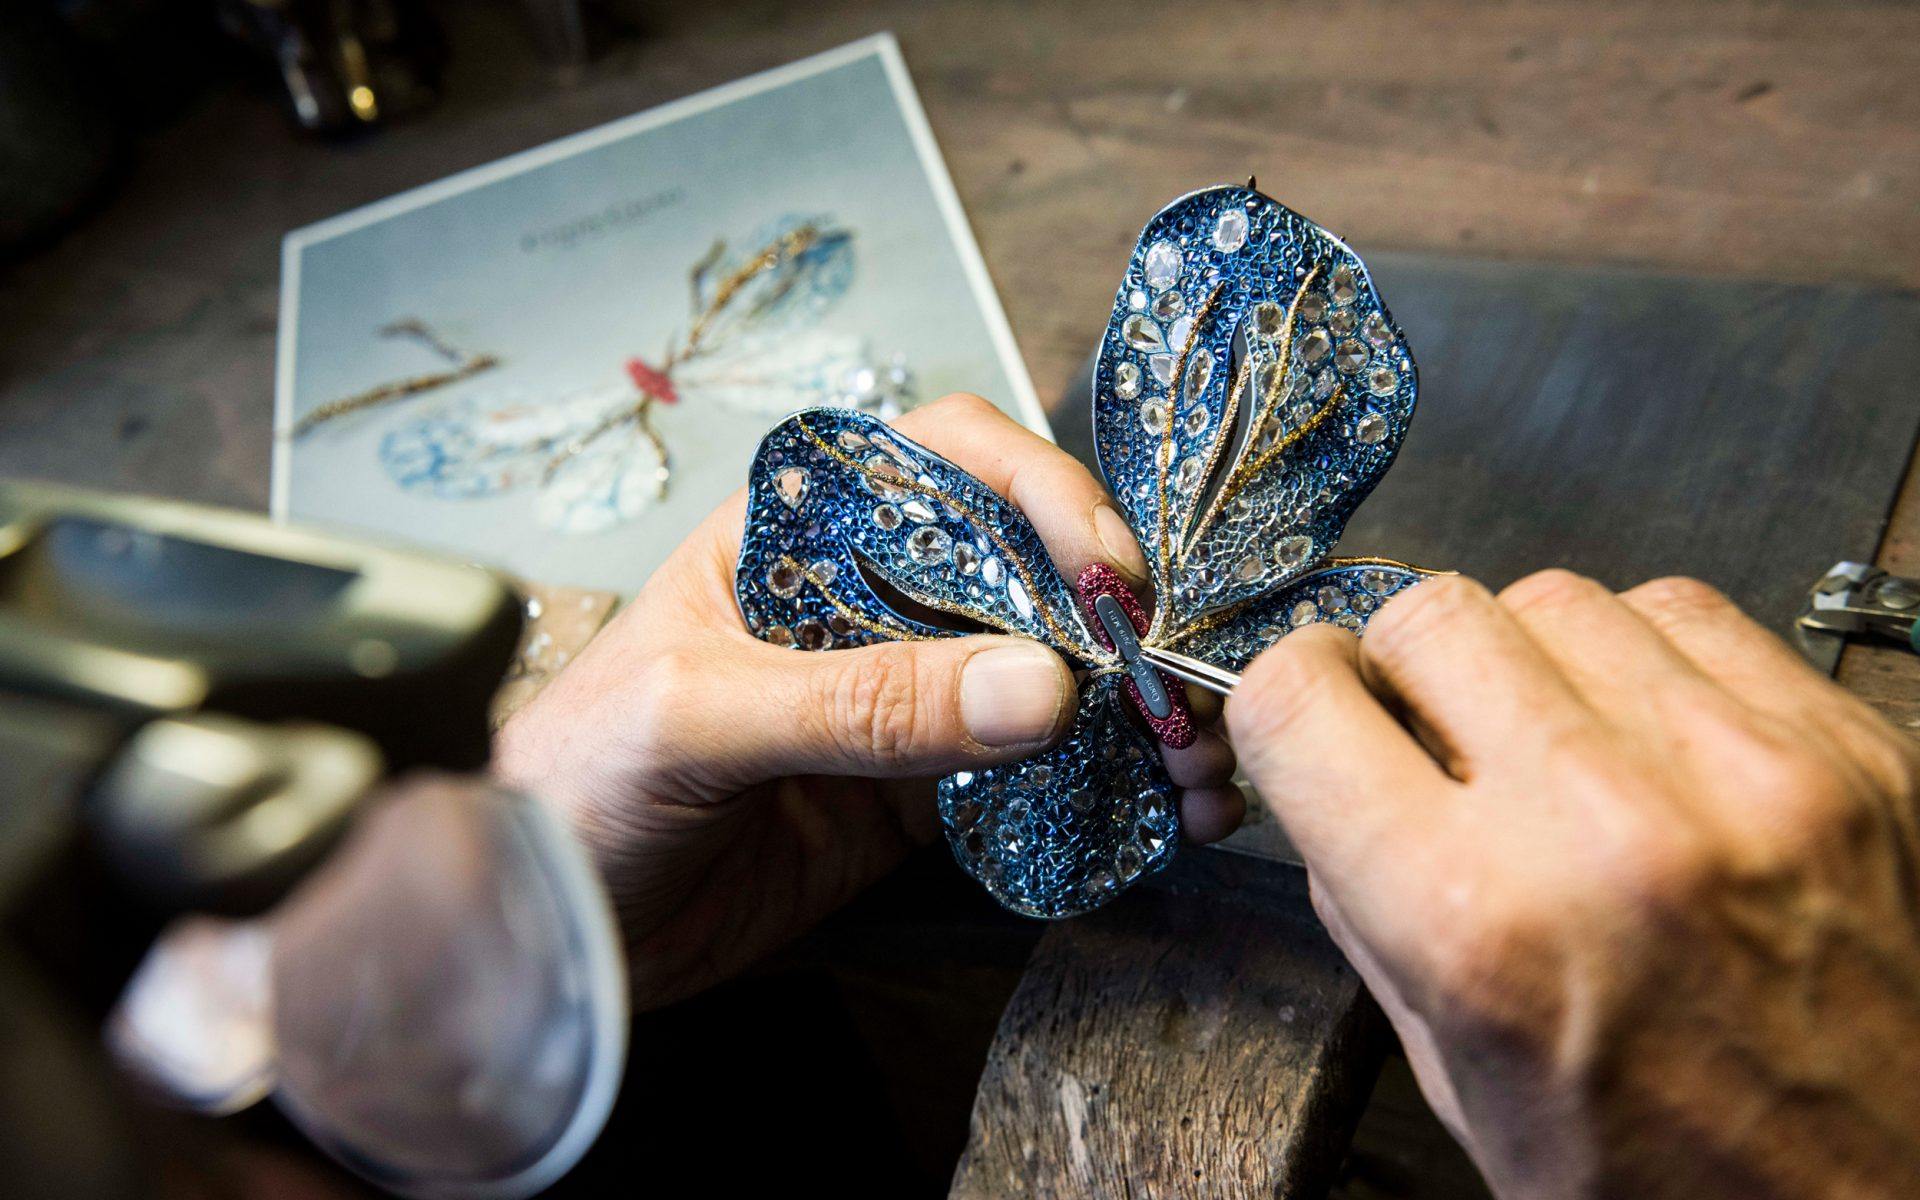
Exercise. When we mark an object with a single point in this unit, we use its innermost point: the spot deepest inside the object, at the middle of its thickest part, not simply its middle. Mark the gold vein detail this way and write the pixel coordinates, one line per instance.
(1219, 617)
(1163, 458)
(886, 629)
(1064, 637)
(1242, 470)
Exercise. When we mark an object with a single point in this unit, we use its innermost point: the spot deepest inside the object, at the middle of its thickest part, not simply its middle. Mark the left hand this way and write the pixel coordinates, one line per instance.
(734, 793)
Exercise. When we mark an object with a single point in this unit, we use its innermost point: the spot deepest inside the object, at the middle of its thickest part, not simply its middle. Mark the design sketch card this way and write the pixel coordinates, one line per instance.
(559, 363)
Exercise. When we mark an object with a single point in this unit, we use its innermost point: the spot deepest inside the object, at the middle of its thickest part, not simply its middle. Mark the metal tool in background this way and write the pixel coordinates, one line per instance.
(1858, 600)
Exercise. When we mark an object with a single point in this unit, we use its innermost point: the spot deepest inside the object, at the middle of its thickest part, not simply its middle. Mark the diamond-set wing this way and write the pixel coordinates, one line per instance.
(836, 494)
(1345, 593)
(1063, 832)
(837, 498)
(1251, 389)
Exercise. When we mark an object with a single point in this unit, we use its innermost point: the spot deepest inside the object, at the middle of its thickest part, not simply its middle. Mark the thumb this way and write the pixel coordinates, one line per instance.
(904, 709)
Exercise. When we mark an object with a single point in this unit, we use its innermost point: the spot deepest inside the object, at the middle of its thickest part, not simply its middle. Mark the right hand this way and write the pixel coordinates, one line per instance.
(1639, 890)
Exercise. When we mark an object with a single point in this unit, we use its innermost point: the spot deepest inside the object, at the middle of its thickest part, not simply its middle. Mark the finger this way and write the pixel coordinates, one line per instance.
(1468, 676)
(1208, 762)
(1069, 509)
(1346, 780)
(894, 710)
(1721, 641)
(1752, 665)
(1615, 659)
(1209, 814)
(1206, 706)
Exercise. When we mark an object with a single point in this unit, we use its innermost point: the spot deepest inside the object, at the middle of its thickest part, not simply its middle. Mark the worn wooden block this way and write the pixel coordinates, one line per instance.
(1202, 1040)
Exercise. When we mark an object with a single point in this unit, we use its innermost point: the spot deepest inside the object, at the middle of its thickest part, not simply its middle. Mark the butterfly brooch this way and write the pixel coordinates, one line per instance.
(595, 457)
(1251, 390)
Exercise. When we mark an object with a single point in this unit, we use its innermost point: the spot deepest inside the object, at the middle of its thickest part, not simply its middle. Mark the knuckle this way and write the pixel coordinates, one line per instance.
(1419, 615)
(956, 405)
(1804, 804)
(875, 708)
(1678, 596)
(660, 691)
(1891, 761)
(1555, 588)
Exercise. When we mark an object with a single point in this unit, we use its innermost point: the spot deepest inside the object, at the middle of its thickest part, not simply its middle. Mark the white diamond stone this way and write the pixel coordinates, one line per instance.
(849, 440)
(1313, 307)
(1022, 603)
(1126, 380)
(928, 545)
(1249, 569)
(1314, 346)
(1304, 613)
(1267, 381)
(1293, 551)
(1177, 333)
(1383, 381)
(1375, 330)
(1351, 355)
(790, 484)
(1342, 286)
(1230, 232)
(1155, 416)
(1167, 305)
(1142, 333)
(1199, 374)
(967, 559)
(1162, 265)
(1370, 429)
(1268, 318)
(1162, 367)
(992, 571)
(1331, 597)
(1188, 476)
(1196, 421)
(918, 510)
(886, 516)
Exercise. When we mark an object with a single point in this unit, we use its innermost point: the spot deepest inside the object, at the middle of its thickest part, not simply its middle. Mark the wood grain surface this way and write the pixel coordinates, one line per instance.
(1203, 1039)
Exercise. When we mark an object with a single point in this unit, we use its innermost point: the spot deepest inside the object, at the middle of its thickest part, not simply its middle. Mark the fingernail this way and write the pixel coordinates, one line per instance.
(1119, 543)
(1012, 694)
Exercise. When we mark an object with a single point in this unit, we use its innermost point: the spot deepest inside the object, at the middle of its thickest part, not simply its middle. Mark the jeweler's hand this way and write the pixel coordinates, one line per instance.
(1637, 888)
(735, 792)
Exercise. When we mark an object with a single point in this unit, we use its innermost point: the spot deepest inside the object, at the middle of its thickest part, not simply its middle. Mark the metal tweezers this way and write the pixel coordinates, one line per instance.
(1217, 680)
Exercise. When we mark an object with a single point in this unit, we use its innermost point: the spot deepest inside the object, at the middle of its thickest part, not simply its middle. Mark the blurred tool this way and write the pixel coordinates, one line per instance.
(199, 715)
(345, 64)
(1860, 600)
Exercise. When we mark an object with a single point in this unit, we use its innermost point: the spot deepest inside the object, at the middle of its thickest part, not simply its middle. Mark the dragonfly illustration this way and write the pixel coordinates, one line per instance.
(1251, 389)
(596, 456)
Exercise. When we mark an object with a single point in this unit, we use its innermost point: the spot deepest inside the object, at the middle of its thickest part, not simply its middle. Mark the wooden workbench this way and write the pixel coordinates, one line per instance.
(1169, 1046)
